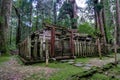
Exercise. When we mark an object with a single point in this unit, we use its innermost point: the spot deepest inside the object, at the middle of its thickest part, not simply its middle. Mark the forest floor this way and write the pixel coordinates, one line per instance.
(13, 69)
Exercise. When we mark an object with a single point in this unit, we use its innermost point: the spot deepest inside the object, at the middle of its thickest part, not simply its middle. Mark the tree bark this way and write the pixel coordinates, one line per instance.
(4, 24)
(118, 21)
(73, 15)
(99, 24)
(104, 20)
(37, 20)
(101, 20)
(10, 36)
(31, 8)
(96, 21)
(115, 44)
(101, 27)
(18, 34)
(99, 48)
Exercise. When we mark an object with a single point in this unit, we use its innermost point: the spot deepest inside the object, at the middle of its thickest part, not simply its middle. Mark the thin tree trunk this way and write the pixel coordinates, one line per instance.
(18, 34)
(73, 15)
(10, 35)
(116, 29)
(96, 21)
(37, 19)
(118, 21)
(104, 20)
(115, 39)
(31, 8)
(97, 27)
(103, 39)
(99, 48)
(47, 54)
(115, 45)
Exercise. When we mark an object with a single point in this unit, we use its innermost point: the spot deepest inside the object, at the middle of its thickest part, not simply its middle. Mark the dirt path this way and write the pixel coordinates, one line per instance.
(12, 70)
(99, 63)
(105, 60)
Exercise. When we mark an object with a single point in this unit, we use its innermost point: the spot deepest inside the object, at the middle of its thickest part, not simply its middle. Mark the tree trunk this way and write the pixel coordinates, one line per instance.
(18, 34)
(31, 8)
(96, 15)
(73, 15)
(4, 24)
(115, 44)
(10, 36)
(99, 48)
(96, 21)
(104, 19)
(101, 27)
(37, 20)
(118, 21)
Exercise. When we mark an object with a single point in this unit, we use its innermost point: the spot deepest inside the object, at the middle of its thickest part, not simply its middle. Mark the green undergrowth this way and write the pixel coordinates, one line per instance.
(99, 76)
(84, 60)
(4, 58)
(18, 59)
(107, 72)
(63, 70)
(112, 74)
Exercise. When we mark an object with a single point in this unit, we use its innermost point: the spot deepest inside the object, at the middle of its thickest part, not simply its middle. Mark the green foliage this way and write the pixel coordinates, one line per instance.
(17, 57)
(65, 9)
(4, 58)
(109, 33)
(84, 60)
(64, 70)
(86, 28)
(47, 20)
(12, 46)
(66, 15)
(66, 22)
(98, 76)
(98, 7)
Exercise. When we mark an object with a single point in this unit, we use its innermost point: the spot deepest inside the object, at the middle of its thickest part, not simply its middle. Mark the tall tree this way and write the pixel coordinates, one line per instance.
(118, 21)
(100, 21)
(104, 19)
(69, 8)
(4, 23)
(18, 34)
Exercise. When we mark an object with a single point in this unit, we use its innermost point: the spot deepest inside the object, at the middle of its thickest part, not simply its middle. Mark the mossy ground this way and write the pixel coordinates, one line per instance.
(4, 58)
